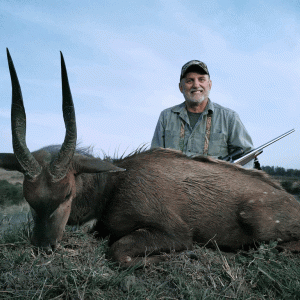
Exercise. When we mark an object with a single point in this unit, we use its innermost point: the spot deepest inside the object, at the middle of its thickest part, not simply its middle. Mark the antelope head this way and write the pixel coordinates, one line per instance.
(49, 183)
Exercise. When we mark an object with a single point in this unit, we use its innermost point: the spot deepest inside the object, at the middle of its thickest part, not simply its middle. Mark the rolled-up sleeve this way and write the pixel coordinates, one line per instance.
(238, 135)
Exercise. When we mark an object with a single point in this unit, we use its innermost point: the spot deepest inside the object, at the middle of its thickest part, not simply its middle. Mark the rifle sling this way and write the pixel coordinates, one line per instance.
(207, 134)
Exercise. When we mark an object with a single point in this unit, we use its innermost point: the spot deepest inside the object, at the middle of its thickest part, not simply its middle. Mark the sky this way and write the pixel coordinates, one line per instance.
(124, 60)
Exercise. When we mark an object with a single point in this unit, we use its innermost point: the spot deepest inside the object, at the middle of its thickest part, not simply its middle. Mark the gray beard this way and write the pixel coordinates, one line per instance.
(193, 102)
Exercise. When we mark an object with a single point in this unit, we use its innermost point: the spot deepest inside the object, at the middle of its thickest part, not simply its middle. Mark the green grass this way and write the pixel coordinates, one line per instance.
(79, 269)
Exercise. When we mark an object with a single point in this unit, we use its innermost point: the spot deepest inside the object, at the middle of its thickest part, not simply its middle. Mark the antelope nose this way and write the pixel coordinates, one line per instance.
(47, 246)
(48, 250)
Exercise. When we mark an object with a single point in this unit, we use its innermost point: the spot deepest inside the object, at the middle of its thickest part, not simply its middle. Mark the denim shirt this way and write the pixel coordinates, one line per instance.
(227, 131)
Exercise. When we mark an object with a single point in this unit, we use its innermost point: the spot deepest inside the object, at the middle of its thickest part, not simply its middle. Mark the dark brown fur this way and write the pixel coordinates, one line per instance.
(163, 201)
(166, 201)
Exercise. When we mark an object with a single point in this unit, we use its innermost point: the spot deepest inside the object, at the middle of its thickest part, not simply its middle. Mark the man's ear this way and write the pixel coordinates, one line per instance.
(180, 87)
(93, 165)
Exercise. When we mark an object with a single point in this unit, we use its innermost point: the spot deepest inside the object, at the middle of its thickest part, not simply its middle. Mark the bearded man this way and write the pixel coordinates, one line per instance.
(199, 126)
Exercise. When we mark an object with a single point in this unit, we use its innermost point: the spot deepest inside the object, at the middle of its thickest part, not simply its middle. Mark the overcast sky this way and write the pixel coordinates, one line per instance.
(124, 60)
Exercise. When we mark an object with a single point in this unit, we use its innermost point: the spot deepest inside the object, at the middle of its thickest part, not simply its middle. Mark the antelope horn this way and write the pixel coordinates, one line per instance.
(60, 166)
(18, 126)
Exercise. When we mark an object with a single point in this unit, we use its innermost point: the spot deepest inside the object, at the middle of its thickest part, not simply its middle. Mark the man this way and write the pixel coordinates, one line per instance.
(199, 126)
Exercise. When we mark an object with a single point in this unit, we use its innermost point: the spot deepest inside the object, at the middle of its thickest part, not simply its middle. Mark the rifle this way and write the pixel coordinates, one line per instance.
(238, 156)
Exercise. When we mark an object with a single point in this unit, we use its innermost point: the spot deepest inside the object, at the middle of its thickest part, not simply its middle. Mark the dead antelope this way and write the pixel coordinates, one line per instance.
(149, 202)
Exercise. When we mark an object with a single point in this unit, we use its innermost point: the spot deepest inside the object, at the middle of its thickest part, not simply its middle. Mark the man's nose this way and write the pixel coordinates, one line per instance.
(196, 83)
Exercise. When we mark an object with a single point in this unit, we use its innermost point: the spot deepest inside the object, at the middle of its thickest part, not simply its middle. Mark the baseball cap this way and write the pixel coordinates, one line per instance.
(191, 63)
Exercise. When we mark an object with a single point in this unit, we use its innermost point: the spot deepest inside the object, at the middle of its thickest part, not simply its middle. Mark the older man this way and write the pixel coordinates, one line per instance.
(199, 126)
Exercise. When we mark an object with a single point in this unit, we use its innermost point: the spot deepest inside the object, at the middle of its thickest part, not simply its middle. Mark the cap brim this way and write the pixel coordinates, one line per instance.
(194, 67)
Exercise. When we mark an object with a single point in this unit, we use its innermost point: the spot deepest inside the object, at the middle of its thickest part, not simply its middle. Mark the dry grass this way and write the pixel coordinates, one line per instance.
(80, 269)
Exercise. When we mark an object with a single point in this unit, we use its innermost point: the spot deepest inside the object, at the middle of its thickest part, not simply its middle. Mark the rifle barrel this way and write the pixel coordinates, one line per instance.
(263, 146)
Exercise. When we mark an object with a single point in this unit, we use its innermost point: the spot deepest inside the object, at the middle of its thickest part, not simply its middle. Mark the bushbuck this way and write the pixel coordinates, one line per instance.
(150, 202)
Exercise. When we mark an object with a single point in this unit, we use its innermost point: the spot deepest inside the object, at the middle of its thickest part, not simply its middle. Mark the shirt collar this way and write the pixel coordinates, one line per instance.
(209, 107)
(181, 108)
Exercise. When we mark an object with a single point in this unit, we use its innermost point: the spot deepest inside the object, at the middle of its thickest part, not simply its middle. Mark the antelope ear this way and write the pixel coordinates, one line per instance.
(93, 165)
(8, 161)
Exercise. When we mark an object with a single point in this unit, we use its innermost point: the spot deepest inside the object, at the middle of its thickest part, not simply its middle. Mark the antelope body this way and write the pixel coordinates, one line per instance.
(149, 202)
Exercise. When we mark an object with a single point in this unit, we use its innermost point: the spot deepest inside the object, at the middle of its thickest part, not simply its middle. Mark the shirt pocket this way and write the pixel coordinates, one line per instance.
(217, 144)
(172, 139)
(196, 143)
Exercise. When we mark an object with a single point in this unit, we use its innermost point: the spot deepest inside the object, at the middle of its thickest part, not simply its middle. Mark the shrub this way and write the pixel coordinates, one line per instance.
(10, 193)
(291, 187)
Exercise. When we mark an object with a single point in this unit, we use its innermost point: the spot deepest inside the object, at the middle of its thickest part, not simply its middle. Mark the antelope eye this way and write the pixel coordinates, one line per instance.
(68, 195)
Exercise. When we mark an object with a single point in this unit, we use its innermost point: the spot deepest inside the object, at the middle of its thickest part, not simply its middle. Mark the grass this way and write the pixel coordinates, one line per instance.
(79, 269)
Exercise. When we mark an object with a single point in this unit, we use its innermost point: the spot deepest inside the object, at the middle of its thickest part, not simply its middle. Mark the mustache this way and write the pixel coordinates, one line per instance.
(196, 90)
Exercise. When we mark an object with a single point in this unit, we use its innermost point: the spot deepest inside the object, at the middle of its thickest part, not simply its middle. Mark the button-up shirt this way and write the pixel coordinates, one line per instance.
(227, 131)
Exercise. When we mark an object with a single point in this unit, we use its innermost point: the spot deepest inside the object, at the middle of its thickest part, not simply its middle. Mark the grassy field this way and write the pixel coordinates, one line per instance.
(80, 268)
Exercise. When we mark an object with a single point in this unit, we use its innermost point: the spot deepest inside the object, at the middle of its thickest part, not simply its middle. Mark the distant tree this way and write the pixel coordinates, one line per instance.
(279, 171)
(289, 172)
(268, 169)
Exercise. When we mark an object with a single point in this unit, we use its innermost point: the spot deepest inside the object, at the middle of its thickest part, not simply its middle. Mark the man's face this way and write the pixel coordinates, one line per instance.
(195, 87)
